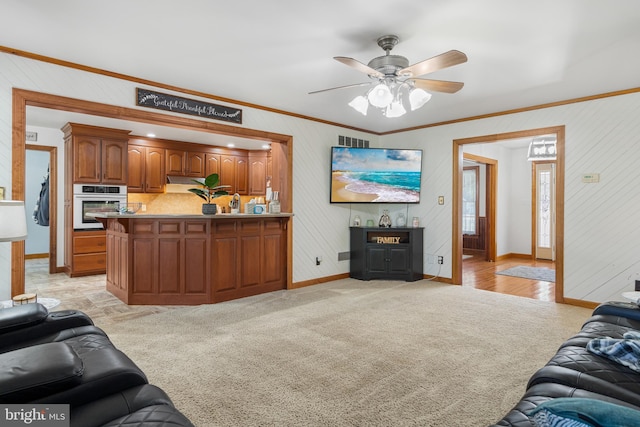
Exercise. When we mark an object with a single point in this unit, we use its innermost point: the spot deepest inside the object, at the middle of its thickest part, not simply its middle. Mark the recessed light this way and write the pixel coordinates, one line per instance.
(266, 146)
(231, 145)
(151, 135)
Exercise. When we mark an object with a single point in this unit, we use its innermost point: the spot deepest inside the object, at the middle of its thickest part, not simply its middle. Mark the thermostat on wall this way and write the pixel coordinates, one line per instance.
(591, 177)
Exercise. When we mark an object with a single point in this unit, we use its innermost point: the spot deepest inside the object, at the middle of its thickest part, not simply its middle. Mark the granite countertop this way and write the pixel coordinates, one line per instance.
(196, 216)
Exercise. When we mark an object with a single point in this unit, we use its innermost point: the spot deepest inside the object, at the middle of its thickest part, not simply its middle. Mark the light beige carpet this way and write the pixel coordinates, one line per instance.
(350, 353)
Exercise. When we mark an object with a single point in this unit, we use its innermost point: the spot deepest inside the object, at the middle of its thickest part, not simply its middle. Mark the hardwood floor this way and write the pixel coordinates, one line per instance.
(479, 274)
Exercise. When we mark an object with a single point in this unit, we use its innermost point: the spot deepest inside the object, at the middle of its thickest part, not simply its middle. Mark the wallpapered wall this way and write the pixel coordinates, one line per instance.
(602, 257)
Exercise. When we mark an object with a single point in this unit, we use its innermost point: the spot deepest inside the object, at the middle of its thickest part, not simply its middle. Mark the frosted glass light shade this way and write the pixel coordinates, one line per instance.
(360, 104)
(380, 96)
(418, 97)
(13, 221)
(395, 109)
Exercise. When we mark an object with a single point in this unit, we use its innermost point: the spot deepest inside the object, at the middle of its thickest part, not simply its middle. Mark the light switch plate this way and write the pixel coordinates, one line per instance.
(441, 200)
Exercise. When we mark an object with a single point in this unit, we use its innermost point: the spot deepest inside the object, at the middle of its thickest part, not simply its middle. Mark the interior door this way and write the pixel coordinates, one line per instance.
(544, 212)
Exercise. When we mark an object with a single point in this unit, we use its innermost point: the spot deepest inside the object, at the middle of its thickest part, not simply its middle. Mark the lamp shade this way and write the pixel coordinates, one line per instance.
(418, 97)
(13, 221)
(380, 96)
(360, 104)
(395, 109)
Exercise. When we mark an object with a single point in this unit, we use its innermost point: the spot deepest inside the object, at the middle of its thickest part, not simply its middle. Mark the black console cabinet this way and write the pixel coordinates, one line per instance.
(386, 253)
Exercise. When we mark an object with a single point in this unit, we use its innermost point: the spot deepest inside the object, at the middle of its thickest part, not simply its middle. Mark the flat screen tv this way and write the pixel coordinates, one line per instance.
(375, 175)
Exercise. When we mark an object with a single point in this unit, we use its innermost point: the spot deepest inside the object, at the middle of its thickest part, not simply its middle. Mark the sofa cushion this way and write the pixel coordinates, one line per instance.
(106, 371)
(580, 412)
(34, 372)
(21, 316)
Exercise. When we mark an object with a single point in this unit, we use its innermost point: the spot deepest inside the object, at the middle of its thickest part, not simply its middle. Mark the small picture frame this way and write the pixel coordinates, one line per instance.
(1, 193)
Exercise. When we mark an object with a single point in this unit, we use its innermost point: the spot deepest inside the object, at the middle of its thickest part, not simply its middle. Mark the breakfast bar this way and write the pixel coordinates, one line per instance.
(164, 259)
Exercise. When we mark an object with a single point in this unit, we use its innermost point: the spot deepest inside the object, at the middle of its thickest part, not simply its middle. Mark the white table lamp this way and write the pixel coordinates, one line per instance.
(13, 221)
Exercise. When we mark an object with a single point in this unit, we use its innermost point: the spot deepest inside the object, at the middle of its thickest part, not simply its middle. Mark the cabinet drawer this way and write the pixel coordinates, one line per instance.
(89, 244)
(90, 262)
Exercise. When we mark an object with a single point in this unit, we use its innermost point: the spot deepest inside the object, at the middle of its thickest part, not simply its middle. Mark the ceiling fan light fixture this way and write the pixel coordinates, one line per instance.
(380, 96)
(418, 97)
(395, 109)
(360, 104)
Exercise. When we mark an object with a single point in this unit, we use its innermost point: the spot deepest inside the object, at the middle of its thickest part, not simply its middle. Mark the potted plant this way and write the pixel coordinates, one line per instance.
(209, 191)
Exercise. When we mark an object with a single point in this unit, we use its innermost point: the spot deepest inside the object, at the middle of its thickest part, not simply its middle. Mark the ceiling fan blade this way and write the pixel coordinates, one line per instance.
(437, 85)
(444, 60)
(358, 66)
(340, 87)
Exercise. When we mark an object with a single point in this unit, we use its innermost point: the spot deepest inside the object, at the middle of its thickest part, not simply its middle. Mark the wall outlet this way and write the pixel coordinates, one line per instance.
(143, 207)
(637, 285)
(318, 260)
(440, 259)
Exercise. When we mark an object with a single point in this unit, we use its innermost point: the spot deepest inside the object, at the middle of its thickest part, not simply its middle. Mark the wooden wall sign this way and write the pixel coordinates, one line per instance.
(163, 101)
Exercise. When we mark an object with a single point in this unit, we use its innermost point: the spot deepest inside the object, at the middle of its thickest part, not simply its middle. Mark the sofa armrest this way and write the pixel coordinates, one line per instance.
(629, 310)
(100, 411)
(34, 372)
(21, 316)
(56, 321)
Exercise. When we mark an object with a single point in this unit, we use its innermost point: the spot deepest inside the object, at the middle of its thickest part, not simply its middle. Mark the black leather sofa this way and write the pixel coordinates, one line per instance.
(63, 358)
(577, 375)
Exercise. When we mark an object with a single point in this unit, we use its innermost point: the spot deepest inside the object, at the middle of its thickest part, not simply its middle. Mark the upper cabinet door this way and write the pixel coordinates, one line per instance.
(196, 164)
(175, 162)
(87, 167)
(114, 162)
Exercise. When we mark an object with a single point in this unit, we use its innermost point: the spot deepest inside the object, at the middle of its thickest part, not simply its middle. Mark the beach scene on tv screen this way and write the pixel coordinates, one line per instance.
(361, 175)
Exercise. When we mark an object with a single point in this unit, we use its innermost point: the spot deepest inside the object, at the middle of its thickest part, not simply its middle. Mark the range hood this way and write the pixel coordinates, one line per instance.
(176, 179)
(180, 184)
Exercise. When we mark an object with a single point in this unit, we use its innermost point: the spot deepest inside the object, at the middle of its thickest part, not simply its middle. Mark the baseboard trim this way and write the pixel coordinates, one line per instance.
(36, 256)
(580, 303)
(304, 284)
(512, 255)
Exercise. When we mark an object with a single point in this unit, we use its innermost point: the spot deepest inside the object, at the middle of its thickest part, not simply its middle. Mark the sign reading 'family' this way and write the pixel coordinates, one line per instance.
(163, 101)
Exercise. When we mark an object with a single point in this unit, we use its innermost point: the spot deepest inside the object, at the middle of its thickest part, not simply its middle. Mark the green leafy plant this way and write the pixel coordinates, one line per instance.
(210, 188)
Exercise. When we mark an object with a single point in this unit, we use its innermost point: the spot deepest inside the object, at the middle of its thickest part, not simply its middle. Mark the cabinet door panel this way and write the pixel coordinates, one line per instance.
(196, 266)
(170, 258)
(399, 260)
(212, 164)
(86, 160)
(114, 162)
(242, 175)
(376, 259)
(155, 176)
(135, 167)
(273, 262)
(228, 172)
(225, 255)
(195, 164)
(175, 162)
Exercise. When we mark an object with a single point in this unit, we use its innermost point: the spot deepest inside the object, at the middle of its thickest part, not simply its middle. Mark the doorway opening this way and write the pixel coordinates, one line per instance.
(557, 241)
(53, 202)
(281, 149)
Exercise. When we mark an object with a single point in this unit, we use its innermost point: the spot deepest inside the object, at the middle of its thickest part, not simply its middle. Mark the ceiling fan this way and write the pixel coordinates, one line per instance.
(393, 74)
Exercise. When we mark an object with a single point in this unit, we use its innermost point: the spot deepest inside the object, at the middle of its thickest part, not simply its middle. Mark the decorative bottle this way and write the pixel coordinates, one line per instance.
(385, 220)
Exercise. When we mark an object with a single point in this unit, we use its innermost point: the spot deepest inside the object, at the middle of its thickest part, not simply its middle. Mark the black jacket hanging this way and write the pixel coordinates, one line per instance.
(41, 212)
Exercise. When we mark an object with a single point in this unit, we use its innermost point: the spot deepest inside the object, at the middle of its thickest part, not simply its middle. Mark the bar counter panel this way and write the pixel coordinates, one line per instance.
(194, 259)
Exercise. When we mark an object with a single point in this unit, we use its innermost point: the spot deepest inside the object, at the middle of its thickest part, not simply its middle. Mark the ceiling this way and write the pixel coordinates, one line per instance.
(272, 54)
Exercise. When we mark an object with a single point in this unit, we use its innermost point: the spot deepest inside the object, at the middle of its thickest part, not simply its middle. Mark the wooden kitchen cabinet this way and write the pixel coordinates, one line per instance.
(187, 261)
(234, 172)
(146, 169)
(212, 164)
(257, 173)
(99, 155)
(89, 253)
(185, 163)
